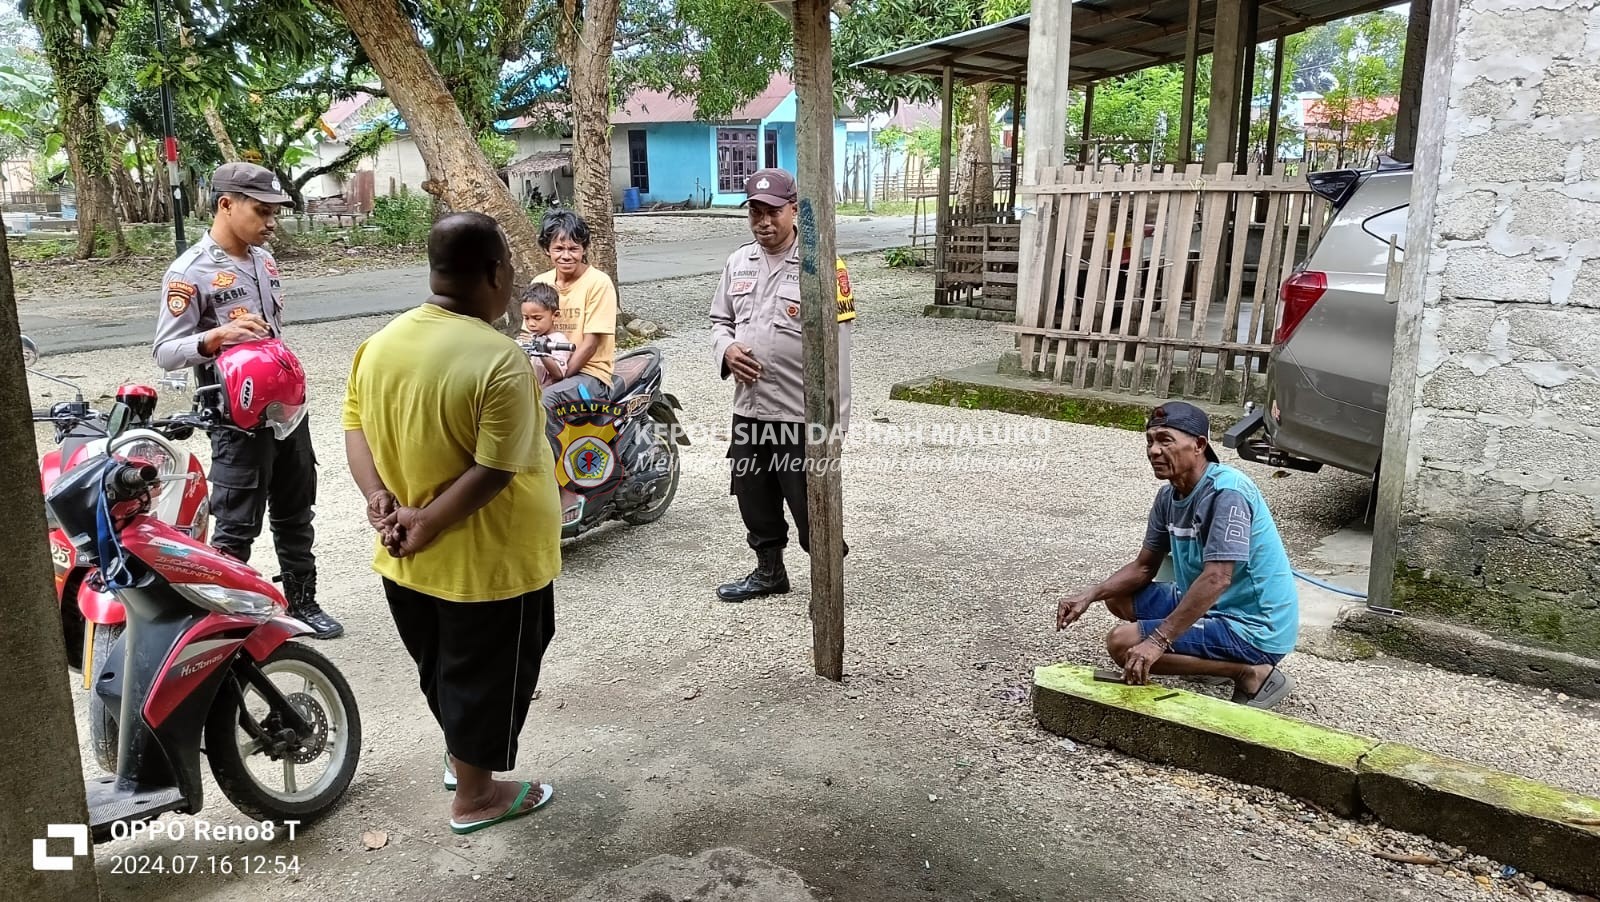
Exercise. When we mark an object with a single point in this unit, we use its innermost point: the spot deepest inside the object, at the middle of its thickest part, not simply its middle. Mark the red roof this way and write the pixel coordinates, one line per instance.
(1374, 110)
(651, 107)
(344, 109)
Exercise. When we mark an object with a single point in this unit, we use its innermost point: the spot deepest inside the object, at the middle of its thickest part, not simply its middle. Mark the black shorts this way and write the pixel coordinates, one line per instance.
(479, 663)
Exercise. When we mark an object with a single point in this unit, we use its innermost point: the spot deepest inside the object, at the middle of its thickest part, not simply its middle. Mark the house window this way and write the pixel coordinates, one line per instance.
(638, 161)
(737, 158)
(771, 148)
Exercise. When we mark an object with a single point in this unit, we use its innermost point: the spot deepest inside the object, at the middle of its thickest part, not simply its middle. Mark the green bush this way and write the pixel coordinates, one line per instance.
(402, 218)
(900, 257)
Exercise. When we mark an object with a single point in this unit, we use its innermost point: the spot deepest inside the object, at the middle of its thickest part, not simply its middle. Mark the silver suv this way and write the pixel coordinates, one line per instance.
(1328, 375)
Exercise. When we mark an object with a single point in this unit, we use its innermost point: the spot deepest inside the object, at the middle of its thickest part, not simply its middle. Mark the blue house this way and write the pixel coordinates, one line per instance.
(660, 149)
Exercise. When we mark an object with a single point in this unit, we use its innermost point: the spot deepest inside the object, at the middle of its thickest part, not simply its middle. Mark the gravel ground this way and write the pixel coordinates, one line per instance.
(672, 723)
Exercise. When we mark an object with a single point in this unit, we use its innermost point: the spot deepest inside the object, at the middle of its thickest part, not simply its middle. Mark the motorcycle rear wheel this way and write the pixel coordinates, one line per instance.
(654, 511)
(321, 693)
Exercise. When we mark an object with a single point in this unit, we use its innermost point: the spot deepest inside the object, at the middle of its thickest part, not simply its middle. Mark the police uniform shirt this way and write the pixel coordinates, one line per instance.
(758, 305)
(206, 287)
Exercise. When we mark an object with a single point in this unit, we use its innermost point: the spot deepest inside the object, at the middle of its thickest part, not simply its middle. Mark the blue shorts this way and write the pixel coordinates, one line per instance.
(1210, 637)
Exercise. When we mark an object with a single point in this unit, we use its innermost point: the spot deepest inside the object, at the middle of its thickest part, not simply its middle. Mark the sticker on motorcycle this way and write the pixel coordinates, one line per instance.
(587, 460)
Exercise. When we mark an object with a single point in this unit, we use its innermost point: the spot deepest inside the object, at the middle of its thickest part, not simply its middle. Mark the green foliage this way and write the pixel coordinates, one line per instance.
(902, 257)
(497, 148)
(923, 143)
(402, 218)
(1146, 107)
(720, 52)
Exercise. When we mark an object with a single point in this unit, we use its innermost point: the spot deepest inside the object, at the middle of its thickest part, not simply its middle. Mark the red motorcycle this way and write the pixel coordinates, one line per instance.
(91, 618)
(206, 655)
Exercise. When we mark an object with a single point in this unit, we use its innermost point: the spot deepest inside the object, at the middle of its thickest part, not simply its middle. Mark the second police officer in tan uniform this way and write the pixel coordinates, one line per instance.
(221, 292)
(756, 335)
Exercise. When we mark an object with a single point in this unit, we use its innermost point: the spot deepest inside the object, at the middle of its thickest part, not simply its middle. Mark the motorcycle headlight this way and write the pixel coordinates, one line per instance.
(224, 600)
(155, 453)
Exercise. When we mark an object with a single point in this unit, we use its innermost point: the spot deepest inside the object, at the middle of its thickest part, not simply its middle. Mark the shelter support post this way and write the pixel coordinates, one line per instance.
(1049, 55)
(1247, 95)
(1227, 79)
(1088, 122)
(1412, 70)
(1016, 145)
(1191, 56)
(1275, 109)
(942, 226)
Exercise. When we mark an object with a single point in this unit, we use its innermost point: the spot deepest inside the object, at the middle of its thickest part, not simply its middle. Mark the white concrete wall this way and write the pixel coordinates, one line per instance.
(1500, 513)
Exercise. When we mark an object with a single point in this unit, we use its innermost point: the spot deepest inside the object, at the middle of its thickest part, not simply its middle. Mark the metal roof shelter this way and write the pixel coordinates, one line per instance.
(1109, 38)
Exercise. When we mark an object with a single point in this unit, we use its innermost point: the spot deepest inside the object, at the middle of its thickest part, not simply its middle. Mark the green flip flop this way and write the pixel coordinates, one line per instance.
(515, 811)
(449, 774)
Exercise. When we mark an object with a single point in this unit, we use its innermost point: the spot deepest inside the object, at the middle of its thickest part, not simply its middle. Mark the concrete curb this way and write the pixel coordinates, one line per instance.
(1469, 651)
(1539, 828)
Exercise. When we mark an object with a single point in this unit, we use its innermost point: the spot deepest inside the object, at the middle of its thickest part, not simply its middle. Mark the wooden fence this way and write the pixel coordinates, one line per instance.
(1173, 277)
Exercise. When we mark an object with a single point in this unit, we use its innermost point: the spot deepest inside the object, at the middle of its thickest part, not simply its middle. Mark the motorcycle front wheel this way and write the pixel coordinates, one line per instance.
(102, 720)
(269, 781)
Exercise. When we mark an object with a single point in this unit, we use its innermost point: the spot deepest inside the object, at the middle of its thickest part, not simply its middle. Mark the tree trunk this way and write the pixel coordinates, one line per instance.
(80, 78)
(34, 678)
(219, 132)
(458, 173)
(125, 191)
(975, 161)
(586, 49)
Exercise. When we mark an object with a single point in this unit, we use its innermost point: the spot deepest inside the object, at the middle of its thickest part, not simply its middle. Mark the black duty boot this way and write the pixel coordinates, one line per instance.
(302, 594)
(769, 578)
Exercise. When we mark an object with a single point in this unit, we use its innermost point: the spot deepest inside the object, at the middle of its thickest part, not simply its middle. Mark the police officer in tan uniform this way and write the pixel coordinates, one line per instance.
(756, 335)
(221, 292)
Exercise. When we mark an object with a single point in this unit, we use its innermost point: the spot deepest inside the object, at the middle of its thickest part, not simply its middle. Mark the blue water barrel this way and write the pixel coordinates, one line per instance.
(630, 200)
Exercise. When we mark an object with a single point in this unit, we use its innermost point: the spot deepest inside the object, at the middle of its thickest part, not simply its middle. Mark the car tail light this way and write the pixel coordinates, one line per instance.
(1299, 294)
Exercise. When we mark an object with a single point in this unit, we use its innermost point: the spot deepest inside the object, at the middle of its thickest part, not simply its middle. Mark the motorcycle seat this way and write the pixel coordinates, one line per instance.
(632, 369)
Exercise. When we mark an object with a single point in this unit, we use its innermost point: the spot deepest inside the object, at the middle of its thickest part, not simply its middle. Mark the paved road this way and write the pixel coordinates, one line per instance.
(376, 292)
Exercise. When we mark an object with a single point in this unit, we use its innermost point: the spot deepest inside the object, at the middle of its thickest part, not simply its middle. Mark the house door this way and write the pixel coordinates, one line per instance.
(638, 161)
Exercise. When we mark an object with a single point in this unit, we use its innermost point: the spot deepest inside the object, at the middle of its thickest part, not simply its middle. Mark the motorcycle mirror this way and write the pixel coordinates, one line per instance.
(117, 420)
(30, 352)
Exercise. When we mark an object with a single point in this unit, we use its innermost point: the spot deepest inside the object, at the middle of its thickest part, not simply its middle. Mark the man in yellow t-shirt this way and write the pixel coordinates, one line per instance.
(444, 434)
(588, 310)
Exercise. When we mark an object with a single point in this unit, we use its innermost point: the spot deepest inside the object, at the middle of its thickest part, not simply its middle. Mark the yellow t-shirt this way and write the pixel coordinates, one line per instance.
(589, 306)
(435, 392)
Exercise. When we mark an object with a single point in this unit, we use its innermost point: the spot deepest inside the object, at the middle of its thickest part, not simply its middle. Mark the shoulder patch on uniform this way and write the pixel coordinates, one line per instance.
(271, 266)
(179, 294)
(223, 279)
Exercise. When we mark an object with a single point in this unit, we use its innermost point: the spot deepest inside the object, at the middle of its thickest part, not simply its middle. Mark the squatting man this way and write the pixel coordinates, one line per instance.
(1232, 611)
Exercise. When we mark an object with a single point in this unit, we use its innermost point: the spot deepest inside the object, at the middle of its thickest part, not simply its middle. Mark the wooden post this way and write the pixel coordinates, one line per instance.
(1247, 96)
(1222, 116)
(1395, 469)
(813, 66)
(1275, 109)
(1191, 55)
(1412, 69)
(1017, 110)
(1049, 55)
(942, 239)
(1088, 122)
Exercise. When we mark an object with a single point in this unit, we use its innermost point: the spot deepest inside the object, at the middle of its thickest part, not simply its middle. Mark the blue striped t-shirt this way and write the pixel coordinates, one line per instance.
(1226, 519)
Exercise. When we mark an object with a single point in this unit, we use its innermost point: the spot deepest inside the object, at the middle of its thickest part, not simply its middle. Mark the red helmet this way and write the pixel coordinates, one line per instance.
(264, 385)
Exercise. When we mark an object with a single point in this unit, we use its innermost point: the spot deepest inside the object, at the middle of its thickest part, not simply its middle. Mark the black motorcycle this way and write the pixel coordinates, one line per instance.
(616, 457)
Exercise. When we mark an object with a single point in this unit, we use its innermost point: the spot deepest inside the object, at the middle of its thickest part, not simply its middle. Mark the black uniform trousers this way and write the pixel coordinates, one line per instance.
(479, 665)
(255, 475)
(768, 462)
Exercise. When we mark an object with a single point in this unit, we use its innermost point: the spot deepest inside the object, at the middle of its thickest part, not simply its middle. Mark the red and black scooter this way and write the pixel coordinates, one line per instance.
(206, 657)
